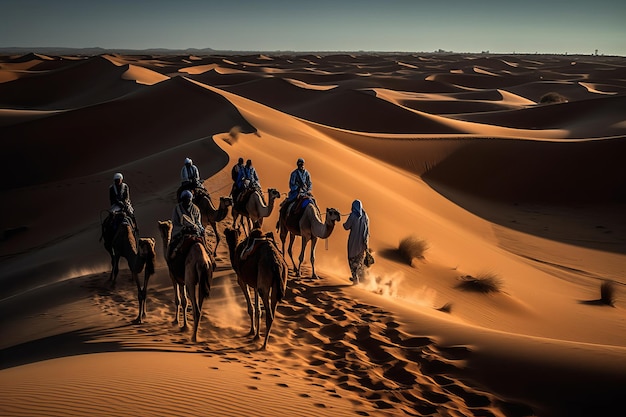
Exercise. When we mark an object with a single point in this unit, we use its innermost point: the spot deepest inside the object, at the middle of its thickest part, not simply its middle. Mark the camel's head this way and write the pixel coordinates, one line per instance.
(232, 236)
(147, 243)
(146, 250)
(273, 193)
(165, 228)
(333, 215)
(226, 201)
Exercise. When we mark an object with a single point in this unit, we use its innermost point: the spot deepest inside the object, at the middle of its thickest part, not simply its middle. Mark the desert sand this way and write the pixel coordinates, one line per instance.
(461, 152)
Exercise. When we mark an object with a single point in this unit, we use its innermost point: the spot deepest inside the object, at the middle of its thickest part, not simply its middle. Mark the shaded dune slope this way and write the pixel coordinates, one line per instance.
(597, 117)
(77, 84)
(347, 109)
(170, 113)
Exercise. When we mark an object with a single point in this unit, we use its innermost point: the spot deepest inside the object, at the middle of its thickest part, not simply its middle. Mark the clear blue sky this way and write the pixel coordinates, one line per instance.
(498, 26)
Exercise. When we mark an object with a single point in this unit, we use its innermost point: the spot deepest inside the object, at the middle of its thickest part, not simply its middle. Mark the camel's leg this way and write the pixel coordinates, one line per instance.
(296, 269)
(184, 299)
(239, 217)
(142, 293)
(246, 293)
(269, 301)
(192, 293)
(115, 268)
(305, 241)
(313, 244)
(176, 320)
(246, 224)
(282, 233)
(217, 237)
(235, 216)
(257, 311)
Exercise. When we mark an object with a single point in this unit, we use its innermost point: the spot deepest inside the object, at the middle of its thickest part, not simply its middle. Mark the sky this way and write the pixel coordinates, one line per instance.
(497, 26)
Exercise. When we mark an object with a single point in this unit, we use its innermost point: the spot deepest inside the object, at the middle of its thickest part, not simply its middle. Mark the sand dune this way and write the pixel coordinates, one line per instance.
(452, 149)
(67, 87)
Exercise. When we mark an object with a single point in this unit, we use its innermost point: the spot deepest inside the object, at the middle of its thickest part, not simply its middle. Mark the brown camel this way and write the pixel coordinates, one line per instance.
(139, 254)
(255, 209)
(191, 280)
(210, 213)
(310, 227)
(264, 269)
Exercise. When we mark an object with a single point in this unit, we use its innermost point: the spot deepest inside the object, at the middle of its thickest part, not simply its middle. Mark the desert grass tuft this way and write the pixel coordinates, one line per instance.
(412, 247)
(552, 97)
(607, 293)
(484, 283)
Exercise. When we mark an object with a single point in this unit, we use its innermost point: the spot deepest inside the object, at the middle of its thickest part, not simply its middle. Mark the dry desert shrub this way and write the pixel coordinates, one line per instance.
(552, 97)
(484, 283)
(607, 293)
(412, 247)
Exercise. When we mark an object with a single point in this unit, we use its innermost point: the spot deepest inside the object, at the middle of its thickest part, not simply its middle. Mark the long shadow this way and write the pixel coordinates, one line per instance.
(391, 254)
(598, 302)
(81, 342)
(600, 223)
(77, 342)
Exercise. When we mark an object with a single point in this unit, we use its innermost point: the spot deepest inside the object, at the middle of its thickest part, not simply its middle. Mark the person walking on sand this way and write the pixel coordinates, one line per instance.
(358, 240)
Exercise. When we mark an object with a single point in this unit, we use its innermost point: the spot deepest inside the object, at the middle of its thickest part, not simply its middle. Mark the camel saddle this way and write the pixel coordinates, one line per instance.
(295, 211)
(111, 223)
(254, 241)
(242, 200)
(179, 249)
(195, 190)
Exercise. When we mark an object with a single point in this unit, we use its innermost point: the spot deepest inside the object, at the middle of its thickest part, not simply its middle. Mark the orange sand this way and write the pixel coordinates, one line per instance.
(455, 150)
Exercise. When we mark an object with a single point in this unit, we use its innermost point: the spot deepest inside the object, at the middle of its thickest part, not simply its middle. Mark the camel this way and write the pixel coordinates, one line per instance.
(190, 281)
(256, 209)
(310, 227)
(139, 254)
(264, 269)
(210, 213)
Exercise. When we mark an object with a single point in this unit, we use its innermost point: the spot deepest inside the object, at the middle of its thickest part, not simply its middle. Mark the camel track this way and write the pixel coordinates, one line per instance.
(348, 346)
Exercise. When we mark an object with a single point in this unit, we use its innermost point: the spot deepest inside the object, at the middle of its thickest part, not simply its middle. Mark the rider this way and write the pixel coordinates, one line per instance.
(186, 220)
(119, 196)
(234, 174)
(190, 176)
(299, 185)
(299, 181)
(248, 177)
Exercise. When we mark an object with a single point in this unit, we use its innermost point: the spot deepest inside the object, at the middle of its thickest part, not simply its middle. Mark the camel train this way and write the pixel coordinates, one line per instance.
(258, 263)
(121, 241)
